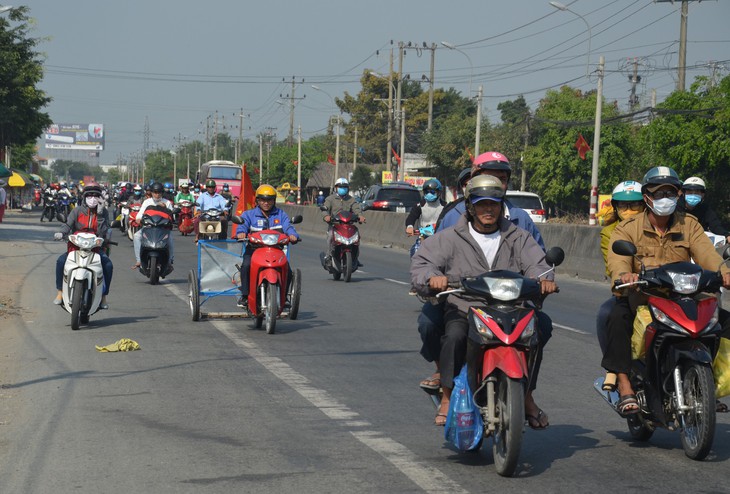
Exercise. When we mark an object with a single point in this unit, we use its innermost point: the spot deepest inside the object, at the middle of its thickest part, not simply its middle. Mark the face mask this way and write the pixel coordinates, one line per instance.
(664, 207)
(342, 191)
(693, 199)
(197, 190)
(92, 202)
(138, 193)
(627, 214)
(430, 197)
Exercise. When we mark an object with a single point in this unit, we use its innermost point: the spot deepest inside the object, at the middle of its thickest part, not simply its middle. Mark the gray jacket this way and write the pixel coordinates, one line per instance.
(334, 204)
(455, 254)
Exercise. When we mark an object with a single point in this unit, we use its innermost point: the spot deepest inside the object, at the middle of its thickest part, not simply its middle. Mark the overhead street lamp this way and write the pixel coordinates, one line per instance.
(337, 135)
(565, 8)
(451, 46)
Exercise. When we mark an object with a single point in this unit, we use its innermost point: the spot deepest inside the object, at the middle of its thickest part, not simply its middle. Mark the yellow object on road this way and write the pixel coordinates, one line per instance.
(123, 345)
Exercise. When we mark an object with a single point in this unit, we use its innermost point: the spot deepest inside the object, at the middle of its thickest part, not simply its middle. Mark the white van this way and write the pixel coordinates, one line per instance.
(529, 202)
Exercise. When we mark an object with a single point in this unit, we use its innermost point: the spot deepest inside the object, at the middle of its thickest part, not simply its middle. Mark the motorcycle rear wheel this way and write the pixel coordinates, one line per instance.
(295, 294)
(154, 273)
(76, 302)
(193, 295)
(271, 310)
(347, 267)
(638, 429)
(698, 433)
(510, 409)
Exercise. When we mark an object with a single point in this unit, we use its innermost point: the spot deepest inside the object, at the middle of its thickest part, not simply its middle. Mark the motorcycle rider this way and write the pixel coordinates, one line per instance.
(265, 216)
(89, 216)
(210, 199)
(482, 240)
(693, 202)
(427, 211)
(147, 191)
(136, 197)
(661, 235)
(184, 194)
(158, 201)
(341, 200)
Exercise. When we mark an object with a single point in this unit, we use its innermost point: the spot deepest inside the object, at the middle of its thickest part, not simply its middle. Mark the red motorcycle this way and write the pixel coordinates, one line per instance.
(132, 224)
(185, 217)
(502, 347)
(269, 283)
(344, 245)
(37, 196)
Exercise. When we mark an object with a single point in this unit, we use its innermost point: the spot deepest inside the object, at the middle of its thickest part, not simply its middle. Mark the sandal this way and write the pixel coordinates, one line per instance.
(720, 407)
(535, 421)
(431, 383)
(628, 405)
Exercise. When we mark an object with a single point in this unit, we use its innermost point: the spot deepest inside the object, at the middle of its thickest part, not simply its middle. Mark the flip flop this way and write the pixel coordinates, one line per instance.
(535, 422)
(431, 383)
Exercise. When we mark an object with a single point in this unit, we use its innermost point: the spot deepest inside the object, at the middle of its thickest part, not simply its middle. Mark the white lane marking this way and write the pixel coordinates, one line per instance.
(568, 328)
(396, 281)
(430, 479)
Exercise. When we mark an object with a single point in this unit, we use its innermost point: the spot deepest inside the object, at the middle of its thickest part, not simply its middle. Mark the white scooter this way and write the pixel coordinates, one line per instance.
(83, 277)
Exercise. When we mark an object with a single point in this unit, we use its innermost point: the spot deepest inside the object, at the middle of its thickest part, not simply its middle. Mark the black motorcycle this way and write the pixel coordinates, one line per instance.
(49, 208)
(155, 249)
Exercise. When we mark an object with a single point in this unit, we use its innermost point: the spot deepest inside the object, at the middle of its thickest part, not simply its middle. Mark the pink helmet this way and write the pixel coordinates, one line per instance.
(491, 160)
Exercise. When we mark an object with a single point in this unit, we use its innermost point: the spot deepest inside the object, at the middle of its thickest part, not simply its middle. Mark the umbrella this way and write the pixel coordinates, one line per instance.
(4, 172)
(16, 180)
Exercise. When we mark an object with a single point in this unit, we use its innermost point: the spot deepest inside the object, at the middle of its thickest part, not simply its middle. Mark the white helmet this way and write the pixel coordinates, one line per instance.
(342, 182)
(695, 183)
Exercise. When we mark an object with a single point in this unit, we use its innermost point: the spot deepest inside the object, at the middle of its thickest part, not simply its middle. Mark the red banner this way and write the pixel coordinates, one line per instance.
(582, 146)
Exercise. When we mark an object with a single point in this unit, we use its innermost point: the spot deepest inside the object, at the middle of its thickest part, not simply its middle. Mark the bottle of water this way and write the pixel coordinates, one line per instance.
(464, 420)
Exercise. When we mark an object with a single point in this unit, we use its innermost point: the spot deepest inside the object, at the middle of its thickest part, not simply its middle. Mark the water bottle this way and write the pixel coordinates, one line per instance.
(464, 420)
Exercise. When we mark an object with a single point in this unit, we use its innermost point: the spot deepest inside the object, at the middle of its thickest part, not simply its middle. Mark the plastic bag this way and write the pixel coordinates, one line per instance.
(721, 369)
(464, 426)
(641, 321)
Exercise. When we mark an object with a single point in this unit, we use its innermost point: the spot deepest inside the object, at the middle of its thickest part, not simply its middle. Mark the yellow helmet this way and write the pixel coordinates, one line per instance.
(265, 191)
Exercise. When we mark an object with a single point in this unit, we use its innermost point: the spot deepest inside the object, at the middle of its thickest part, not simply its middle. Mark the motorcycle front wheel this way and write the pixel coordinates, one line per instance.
(347, 266)
(271, 310)
(154, 273)
(76, 302)
(510, 410)
(698, 433)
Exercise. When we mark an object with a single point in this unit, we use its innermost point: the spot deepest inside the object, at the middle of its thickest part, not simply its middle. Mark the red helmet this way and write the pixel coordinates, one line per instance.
(55, 186)
(491, 160)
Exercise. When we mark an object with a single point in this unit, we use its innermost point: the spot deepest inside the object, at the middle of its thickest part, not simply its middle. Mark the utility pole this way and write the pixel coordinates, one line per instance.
(479, 122)
(682, 63)
(523, 177)
(292, 99)
(402, 167)
(261, 159)
(215, 137)
(596, 145)
(430, 87)
(398, 100)
(337, 152)
(207, 137)
(389, 151)
(299, 165)
(354, 152)
(635, 78)
(146, 144)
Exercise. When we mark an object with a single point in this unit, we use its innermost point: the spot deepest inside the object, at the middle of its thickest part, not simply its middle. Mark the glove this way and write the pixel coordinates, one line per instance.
(58, 236)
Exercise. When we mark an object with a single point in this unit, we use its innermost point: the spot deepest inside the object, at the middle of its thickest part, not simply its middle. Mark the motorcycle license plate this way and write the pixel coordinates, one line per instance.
(400, 209)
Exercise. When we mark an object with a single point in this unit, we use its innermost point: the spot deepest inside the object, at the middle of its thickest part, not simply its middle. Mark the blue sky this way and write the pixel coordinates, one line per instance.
(177, 62)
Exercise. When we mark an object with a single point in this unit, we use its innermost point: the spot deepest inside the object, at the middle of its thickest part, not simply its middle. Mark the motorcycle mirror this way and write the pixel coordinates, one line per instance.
(296, 219)
(624, 248)
(237, 219)
(555, 256)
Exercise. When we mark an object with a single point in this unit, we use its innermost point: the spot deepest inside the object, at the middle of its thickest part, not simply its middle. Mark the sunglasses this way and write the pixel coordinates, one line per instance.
(634, 206)
(661, 194)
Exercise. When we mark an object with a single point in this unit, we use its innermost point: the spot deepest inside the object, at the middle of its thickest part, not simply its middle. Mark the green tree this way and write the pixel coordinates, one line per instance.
(74, 170)
(361, 180)
(21, 69)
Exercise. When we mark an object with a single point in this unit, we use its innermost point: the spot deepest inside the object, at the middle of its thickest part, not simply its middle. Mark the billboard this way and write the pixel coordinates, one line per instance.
(75, 136)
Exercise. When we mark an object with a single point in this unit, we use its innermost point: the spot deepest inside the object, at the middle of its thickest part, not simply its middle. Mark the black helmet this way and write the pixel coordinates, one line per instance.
(147, 188)
(92, 189)
(464, 177)
(158, 187)
(658, 176)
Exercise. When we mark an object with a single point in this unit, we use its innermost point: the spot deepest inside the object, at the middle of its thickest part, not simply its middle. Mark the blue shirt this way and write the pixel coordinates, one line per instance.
(518, 216)
(206, 201)
(254, 220)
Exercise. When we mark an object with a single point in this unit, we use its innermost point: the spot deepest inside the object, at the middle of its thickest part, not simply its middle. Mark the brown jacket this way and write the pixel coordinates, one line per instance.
(684, 240)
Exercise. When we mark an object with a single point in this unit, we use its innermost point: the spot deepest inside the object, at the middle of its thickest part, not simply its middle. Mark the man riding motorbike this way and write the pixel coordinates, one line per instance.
(210, 199)
(157, 200)
(482, 240)
(265, 216)
(661, 235)
(89, 216)
(341, 200)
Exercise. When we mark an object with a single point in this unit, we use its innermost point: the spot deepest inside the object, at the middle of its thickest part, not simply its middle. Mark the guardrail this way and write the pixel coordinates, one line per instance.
(581, 243)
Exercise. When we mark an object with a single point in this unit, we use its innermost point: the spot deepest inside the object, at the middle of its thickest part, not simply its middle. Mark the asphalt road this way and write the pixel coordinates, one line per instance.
(330, 403)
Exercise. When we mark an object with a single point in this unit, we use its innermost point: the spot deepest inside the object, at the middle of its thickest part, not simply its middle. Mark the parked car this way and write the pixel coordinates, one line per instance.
(529, 202)
(398, 197)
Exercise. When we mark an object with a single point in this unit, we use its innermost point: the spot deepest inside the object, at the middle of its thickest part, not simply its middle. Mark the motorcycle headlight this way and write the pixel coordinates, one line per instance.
(504, 289)
(347, 240)
(270, 238)
(479, 317)
(83, 242)
(685, 283)
(666, 320)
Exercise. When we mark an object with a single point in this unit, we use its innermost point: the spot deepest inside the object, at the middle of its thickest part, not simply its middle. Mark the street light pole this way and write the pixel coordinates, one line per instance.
(337, 135)
(596, 145)
(565, 8)
(451, 46)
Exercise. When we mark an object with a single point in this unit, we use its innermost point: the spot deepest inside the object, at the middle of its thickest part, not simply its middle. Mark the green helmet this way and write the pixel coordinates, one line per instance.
(210, 183)
(627, 191)
(660, 175)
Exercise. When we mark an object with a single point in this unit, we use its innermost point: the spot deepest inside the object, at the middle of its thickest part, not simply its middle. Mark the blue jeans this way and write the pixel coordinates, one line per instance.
(106, 267)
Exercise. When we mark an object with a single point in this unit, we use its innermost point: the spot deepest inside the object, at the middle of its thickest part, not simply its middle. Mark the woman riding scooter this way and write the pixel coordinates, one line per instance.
(265, 216)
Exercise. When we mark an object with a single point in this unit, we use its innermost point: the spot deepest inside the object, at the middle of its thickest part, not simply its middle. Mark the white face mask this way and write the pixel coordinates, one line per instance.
(664, 207)
(92, 202)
